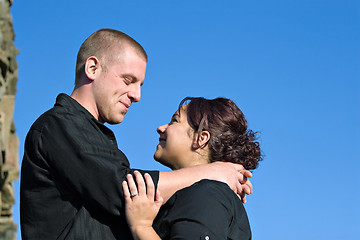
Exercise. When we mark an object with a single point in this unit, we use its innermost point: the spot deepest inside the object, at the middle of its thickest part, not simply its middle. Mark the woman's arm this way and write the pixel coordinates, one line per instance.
(141, 206)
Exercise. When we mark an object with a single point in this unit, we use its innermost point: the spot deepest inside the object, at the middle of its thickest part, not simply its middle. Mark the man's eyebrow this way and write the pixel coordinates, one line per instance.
(133, 78)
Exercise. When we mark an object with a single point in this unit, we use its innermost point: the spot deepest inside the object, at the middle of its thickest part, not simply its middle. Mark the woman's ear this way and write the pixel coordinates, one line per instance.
(202, 139)
(92, 67)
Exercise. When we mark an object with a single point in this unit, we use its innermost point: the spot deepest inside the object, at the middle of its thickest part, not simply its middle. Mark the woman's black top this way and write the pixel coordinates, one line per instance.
(206, 210)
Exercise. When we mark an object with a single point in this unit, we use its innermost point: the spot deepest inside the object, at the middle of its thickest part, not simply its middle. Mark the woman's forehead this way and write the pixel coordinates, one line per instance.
(181, 110)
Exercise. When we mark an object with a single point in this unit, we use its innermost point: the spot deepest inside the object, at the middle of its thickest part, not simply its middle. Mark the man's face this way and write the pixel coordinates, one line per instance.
(118, 86)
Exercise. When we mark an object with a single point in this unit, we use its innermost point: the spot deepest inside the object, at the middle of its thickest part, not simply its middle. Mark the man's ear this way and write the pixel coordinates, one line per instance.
(202, 139)
(92, 67)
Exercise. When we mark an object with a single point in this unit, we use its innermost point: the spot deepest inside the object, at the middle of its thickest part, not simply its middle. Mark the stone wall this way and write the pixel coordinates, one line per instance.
(9, 159)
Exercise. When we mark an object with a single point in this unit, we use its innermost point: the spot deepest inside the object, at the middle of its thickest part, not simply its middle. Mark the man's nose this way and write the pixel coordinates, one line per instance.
(135, 93)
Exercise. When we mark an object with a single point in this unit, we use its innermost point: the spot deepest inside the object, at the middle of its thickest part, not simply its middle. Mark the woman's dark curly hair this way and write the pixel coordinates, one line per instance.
(230, 140)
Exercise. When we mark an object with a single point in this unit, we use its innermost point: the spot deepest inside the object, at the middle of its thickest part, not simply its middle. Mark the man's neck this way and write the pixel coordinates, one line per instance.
(84, 97)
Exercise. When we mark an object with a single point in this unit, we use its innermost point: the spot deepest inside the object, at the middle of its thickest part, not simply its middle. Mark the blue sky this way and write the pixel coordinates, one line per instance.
(291, 66)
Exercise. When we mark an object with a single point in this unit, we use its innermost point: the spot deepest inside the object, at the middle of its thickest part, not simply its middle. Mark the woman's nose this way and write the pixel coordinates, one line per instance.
(162, 128)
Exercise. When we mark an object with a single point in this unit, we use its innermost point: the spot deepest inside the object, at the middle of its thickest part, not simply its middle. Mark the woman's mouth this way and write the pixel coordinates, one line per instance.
(162, 141)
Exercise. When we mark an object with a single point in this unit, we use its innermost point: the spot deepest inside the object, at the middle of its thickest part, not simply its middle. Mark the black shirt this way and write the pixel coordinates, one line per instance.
(71, 177)
(207, 210)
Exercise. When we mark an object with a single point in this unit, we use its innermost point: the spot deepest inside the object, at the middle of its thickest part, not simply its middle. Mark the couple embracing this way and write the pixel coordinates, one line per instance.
(77, 184)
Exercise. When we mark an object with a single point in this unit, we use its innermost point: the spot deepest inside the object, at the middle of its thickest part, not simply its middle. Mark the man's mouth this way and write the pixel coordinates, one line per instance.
(126, 105)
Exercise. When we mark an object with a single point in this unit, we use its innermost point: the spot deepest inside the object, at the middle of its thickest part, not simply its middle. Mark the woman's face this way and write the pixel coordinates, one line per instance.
(175, 142)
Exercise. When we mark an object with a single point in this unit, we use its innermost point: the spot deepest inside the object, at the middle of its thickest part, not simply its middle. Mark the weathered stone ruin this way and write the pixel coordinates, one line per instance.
(9, 164)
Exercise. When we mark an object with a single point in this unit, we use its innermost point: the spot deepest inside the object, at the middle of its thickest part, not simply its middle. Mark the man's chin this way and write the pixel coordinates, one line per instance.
(116, 121)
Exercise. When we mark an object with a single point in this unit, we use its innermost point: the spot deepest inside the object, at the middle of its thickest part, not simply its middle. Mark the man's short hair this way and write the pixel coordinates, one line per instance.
(102, 44)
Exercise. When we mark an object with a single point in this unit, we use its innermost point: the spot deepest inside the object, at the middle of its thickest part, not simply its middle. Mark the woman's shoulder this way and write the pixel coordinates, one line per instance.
(214, 199)
(208, 192)
(208, 187)
(211, 203)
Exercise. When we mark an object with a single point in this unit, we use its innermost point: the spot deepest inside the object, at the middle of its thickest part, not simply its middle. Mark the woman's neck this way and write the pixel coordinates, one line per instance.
(193, 160)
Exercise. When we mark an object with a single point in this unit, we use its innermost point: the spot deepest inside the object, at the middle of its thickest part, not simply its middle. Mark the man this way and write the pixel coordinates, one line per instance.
(72, 169)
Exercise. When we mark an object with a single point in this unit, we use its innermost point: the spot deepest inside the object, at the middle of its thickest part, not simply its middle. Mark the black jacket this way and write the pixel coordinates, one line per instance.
(71, 177)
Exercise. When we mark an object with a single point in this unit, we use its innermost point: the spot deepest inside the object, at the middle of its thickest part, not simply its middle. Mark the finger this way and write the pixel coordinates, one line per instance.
(239, 196)
(126, 191)
(245, 183)
(247, 173)
(132, 185)
(238, 167)
(249, 186)
(158, 199)
(241, 178)
(140, 183)
(244, 175)
(243, 198)
(239, 189)
(150, 189)
(246, 189)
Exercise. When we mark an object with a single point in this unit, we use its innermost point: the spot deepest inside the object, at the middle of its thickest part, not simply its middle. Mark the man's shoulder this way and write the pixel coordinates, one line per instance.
(63, 110)
(49, 118)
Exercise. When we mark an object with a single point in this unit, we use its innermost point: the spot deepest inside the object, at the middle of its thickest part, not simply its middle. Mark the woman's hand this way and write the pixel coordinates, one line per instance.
(141, 203)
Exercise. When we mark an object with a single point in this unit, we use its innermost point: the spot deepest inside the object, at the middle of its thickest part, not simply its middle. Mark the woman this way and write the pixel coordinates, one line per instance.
(201, 131)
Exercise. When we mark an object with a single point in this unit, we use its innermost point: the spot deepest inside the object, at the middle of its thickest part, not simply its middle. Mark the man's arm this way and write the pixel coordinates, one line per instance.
(234, 175)
(72, 156)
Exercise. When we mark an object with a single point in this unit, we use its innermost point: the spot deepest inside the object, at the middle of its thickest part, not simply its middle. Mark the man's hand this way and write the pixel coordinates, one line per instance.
(233, 175)
(246, 186)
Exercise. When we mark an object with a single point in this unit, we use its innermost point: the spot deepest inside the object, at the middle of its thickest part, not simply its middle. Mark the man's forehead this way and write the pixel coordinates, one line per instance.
(127, 50)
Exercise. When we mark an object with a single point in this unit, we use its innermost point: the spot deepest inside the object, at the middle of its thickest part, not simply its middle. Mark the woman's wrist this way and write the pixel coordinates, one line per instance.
(144, 233)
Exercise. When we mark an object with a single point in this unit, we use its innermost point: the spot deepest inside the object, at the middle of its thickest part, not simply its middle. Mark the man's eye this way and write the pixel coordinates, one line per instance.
(127, 81)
